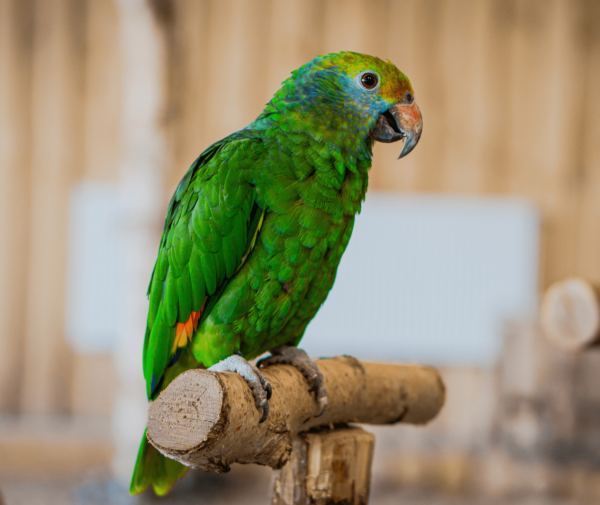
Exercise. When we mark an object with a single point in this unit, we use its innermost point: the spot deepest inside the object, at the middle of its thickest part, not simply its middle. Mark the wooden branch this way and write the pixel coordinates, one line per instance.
(208, 420)
(326, 466)
(570, 314)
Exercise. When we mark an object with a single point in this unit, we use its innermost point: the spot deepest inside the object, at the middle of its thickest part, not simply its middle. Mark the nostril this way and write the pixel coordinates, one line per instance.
(409, 97)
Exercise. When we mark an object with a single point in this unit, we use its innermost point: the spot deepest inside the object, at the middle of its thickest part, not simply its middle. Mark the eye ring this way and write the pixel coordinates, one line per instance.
(368, 80)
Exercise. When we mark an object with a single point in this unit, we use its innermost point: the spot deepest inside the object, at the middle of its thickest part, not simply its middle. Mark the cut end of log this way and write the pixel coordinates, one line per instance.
(570, 314)
(187, 413)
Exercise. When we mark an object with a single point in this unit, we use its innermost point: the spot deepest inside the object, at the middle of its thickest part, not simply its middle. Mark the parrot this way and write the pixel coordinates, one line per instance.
(256, 229)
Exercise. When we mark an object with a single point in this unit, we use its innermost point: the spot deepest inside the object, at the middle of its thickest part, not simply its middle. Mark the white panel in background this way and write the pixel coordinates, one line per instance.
(430, 279)
(92, 268)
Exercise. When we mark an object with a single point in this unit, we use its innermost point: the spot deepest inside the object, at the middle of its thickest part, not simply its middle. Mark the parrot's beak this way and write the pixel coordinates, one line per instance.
(401, 121)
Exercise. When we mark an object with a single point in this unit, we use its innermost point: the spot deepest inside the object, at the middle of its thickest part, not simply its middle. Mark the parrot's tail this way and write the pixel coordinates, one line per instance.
(154, 469)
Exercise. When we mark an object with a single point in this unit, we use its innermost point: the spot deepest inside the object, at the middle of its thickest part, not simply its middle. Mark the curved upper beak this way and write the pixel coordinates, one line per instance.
(401, 121)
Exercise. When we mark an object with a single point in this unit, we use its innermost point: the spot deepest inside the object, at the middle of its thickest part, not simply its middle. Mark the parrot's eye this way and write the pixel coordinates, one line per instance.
(369, 80)
(409, 98)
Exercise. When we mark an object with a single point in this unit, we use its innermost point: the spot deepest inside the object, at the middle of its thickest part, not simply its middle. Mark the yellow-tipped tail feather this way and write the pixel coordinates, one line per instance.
(154, 469)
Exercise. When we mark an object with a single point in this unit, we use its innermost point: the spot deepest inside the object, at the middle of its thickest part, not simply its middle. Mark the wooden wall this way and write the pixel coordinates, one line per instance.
(508, 90)
(59, 123)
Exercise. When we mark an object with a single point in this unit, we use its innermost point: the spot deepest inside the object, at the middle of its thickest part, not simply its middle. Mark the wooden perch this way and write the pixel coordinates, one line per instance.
(570, 314)
(326, 466)
(208, 420)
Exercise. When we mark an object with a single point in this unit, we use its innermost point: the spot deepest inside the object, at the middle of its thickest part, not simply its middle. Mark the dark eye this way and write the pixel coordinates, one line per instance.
(409, 98)
(369, 80)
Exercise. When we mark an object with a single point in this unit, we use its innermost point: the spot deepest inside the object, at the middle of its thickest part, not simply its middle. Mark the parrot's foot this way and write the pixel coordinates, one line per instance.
(259, 384)
(299, 359)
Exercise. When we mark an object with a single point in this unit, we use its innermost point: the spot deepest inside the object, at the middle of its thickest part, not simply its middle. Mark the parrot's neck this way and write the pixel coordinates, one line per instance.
(343, 130)
(343, 140)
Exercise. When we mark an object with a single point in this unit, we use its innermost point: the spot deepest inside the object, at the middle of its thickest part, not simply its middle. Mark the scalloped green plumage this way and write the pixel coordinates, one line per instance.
(257, 226)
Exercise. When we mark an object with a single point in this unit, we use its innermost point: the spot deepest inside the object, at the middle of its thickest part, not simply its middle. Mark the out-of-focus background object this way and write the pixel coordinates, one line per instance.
(105, 103)
(570, 314)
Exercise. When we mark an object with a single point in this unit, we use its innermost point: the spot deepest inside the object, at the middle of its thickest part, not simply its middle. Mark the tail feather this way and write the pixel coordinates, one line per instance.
(154, 469)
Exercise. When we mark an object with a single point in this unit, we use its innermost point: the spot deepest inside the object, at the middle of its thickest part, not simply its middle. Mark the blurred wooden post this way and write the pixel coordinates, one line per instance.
(570, 314)
(546, 412)
(208, 421)
(57, 93)
(15, 156)
(141, 200)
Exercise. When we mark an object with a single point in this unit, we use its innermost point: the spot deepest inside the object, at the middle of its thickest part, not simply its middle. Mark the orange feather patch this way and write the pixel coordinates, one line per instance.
(185, 331)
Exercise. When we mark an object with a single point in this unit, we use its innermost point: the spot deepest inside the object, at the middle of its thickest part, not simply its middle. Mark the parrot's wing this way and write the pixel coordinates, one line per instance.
(210, 228)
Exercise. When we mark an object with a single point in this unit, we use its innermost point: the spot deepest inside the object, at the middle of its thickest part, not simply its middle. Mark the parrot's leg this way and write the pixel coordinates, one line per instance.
(259, 384)
(298, 358)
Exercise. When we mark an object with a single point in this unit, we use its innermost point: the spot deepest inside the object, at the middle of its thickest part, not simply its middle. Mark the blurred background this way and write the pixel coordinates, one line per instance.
(105, 103)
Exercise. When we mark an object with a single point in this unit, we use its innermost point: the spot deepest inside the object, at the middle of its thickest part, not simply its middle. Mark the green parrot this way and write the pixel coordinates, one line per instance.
(257, 227)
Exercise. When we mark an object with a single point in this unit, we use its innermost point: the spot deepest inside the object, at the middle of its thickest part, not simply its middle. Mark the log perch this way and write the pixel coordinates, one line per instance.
(208, 420)
(326, 467)
(570, 314)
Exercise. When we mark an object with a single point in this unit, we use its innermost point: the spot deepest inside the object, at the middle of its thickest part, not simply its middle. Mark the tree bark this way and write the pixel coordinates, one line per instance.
(208, 420)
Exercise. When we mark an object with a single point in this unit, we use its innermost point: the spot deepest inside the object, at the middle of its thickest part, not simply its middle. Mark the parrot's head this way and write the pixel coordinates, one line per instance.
(351, 95)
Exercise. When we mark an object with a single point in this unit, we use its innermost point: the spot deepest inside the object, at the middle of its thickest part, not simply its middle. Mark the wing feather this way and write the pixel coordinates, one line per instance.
(210, 228)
